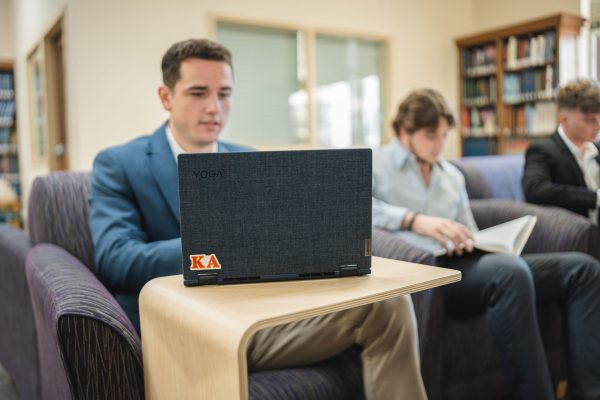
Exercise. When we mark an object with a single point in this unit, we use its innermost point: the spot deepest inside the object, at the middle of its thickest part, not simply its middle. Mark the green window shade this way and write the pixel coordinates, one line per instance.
(269, 101)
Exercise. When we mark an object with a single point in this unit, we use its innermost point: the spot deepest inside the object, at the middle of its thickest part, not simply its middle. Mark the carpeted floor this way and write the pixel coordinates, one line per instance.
(7, 387)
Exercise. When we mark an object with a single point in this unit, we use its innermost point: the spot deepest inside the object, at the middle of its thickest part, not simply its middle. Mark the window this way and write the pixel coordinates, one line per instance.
(295, 87)
(270, 102)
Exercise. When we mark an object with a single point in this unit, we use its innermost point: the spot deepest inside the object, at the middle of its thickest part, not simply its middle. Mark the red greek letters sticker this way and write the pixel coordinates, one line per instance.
(204, 261)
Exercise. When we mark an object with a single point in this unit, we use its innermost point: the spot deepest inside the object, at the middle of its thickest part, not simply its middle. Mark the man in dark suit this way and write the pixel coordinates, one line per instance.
(134, 221)
(563, 170)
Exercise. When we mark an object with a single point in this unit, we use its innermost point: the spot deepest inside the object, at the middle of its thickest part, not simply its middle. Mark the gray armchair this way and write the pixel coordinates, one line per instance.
(18, 340)
(498, 178)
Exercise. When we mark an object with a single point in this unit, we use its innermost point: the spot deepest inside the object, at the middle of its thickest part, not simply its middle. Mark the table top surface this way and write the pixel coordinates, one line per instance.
(250, 303)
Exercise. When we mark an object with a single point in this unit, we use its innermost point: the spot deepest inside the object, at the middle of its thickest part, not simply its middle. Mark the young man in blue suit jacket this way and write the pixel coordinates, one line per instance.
(134, 220)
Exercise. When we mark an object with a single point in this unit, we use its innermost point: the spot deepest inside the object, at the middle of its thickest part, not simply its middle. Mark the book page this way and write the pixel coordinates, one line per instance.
(509, 237)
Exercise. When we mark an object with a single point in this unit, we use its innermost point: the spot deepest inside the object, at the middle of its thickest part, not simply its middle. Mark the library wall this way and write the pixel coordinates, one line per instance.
(113, 96)
(490, 14)
(113, 52)
(6, 30)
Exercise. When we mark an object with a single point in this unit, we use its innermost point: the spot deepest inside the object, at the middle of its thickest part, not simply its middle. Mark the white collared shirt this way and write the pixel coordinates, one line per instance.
(176, 148)
(398, 187)
(586, 159)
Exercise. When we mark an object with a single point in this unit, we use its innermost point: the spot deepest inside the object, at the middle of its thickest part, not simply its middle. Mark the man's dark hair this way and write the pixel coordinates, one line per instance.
(203, 49)
(422, 108)
(580, 95)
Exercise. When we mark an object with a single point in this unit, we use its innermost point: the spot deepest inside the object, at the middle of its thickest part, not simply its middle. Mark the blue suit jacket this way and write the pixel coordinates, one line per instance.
(134, 215)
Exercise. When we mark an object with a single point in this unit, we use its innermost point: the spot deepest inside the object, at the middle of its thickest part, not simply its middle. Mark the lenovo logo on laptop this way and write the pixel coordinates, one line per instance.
(203, 261)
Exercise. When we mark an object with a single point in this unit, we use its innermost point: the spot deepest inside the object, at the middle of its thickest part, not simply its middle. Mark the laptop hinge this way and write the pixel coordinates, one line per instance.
(348, 270)
(203, 279)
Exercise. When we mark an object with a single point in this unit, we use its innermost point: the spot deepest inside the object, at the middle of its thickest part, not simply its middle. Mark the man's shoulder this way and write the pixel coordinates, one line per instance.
(544, 145)
(137, 145)
(385, 153)
(128, 158)
(451, 171)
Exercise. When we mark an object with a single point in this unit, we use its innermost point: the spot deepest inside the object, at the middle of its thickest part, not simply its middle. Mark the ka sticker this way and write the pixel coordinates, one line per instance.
(203, 261)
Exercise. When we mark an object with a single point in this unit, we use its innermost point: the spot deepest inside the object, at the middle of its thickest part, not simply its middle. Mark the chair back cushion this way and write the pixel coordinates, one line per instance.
(88, 347)
(58, 213)
(497, 177)
(18, 342)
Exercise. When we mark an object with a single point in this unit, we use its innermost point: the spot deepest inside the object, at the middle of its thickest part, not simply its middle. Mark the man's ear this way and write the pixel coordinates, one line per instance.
(402, 134)
(562, 116)
(164, 94)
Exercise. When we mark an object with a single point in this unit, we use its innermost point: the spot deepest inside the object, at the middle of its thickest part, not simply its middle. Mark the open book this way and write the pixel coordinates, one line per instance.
(509, 237)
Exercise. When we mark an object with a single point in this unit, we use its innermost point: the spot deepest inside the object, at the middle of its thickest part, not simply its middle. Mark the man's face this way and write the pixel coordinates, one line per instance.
(580, 127)
(427, 144)
(199, 103)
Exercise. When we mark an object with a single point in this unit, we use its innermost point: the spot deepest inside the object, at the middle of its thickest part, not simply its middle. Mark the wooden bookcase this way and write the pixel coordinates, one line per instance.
(10, 209)
(508, 82)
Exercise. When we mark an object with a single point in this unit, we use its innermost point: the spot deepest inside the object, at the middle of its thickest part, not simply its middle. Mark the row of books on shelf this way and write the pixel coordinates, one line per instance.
(479, 146)
(9, 165)
(479, 92)
(7, 113)
(529, 51)
(537, 119)
(5, 137)
(7, 89)
(524, 120)
(479, 60)
(8, 148)
(476, 122)
(529, 85)
(488, 146)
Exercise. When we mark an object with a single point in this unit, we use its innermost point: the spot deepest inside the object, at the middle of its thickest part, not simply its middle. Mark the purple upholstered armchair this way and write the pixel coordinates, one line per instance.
(88, 347)
(18, 340)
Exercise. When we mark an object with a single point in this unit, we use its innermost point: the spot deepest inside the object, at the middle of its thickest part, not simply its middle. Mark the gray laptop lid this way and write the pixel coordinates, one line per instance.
(259, 216)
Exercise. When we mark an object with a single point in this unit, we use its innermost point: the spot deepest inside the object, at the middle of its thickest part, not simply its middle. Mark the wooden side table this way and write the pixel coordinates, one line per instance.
(194, 340)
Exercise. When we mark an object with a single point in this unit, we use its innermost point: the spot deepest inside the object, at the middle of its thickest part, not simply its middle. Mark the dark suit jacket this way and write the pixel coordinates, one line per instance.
(134, 215)
(553, 177)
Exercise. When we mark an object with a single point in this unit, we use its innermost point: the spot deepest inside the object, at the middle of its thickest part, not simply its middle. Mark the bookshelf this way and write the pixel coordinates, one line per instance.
(508, 82)
(10, 209)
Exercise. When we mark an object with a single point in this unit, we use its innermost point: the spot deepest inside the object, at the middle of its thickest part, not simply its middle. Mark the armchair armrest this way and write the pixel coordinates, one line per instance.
(82, 328)
(557, 229)
(387, 245)
(428, 305)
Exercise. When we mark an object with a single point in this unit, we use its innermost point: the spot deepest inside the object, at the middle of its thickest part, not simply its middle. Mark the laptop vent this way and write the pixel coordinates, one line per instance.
(316, 274)
(242, 279)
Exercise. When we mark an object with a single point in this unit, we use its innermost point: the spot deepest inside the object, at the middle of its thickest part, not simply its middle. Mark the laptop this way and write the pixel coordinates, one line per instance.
(275, 215)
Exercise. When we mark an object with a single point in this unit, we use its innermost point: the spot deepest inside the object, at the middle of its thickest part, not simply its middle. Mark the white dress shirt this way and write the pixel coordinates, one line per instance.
(176, 148)
(586, 158)
(398, 187)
